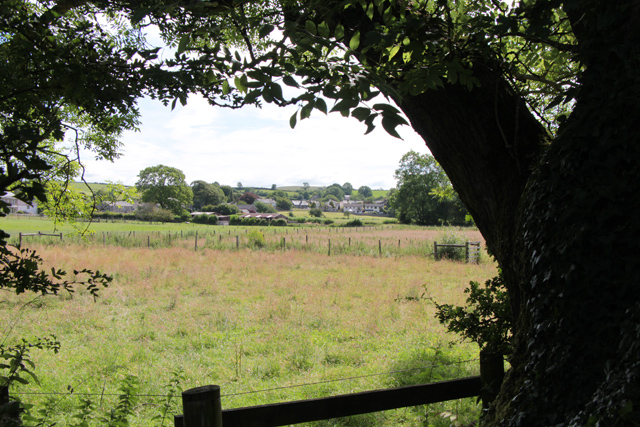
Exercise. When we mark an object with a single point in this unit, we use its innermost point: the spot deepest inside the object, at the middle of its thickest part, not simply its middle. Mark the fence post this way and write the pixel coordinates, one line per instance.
(20, 241)
(237, 242)
(466, 251)
(201, 407)
(435, 251)
(380, 248)
(10, 411)
(329, 247)
(196, 248)
(491, 375)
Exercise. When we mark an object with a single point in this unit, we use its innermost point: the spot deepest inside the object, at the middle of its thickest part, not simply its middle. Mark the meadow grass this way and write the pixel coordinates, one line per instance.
(249, 320)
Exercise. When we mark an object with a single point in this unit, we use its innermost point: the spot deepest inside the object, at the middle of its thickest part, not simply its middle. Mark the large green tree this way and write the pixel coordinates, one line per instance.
(165, 186)
(420, 195)
(206, 194)
(531, 110)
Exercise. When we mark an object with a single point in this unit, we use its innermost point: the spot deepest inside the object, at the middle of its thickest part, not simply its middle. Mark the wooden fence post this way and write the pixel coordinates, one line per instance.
(329, 247)
(201, 407)
(237, 242)
(435, 251)
(380, 248)
(20, 239)
(196, 241)
(491, 375)
(466, 252)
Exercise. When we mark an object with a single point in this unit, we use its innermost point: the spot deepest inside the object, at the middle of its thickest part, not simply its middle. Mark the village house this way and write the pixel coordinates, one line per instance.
(18, 206)
(353, 207)
(268, 202)
(374, 207)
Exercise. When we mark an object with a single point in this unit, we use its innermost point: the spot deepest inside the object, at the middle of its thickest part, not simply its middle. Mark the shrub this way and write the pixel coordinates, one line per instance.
(353, 223)
(280, 222)
(316, 212)
(451, 237)
(328, 221)
(256, 239)
(390, 221)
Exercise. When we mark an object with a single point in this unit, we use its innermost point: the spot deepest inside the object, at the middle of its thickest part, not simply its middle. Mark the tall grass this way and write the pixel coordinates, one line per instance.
(248, 320)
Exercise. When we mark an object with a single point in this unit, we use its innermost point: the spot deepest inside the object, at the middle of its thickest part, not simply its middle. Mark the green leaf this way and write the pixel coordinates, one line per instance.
(339, 32)
(267, 95)
(321, 105)
(389, 123)
(239, 84)
(311, 27)
(361, 113)
(182, 45)
(293, 120)
(265, 30)
(370, 11)
(276, 90)
(225, 87)
(355, 41)
(173, 104)
(290, 81)
(323, 29)
(392, 52)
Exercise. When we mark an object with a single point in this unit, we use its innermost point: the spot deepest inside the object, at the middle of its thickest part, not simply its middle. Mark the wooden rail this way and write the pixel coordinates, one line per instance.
(21, 235)
(302, 411)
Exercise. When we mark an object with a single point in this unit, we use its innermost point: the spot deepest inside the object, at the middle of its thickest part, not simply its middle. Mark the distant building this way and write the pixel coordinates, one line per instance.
(353, 207)
(18, 206)
(377, 206)
(268, 202)
(300, 204)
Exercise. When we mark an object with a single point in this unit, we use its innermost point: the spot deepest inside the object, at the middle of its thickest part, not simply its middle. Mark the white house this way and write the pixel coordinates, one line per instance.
(377, 206)
(16, 205)
(268, 202)
(353, 207)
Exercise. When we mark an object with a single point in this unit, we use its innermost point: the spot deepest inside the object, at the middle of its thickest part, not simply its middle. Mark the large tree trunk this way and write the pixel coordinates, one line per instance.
(561, 221)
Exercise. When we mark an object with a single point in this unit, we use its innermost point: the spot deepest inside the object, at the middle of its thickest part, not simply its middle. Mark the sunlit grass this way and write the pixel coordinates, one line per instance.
(250, 320)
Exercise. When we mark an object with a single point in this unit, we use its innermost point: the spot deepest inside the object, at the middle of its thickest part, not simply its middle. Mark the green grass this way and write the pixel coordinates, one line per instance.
(249, 320)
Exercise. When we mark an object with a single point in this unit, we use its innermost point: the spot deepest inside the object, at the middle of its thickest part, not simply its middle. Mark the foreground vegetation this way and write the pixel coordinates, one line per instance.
(247, 320)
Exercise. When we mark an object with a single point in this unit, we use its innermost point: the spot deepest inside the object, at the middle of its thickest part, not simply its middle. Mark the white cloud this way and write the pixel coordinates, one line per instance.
(256, 147)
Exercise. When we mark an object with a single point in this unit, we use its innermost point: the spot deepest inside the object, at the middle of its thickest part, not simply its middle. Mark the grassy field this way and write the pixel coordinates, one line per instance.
(247, 320)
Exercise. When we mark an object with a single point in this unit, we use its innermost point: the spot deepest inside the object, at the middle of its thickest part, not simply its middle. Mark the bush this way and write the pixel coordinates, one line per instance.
(390, 221)
(316, 212)
(451, 237)
(256, 239)
(280, 222)
(353, 223)
(328, 221)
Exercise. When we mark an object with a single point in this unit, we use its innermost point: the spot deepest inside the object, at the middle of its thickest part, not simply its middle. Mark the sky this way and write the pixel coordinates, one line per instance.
(255, 147)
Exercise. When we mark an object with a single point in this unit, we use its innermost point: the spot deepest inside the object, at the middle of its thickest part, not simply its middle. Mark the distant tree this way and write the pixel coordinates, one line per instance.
(316, 212)
(206, 194)
(239, 186)
(225, 209)
(305, 185)
(165, 186)
(336, 191)
(283, 204)
(273, 186)
(264, 207)
(424, 194)
(347, 188)
(248, 198)
(228, 192)
(365, 192)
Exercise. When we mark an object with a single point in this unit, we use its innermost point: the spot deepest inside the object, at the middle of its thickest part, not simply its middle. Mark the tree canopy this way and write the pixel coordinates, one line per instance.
(206, 194)
(530, 109)
(424, 194)
(165, 186)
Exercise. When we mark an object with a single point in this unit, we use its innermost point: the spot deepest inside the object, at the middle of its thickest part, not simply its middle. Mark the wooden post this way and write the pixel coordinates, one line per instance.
(196, 248)
(435, 251)
(491, 375)
(20, 239)
(148, 241)
(349, 241)
(329, 247)
(284, 243)
(61, 237)
(201, 407)
(103, 239)
(380, 247)
(10, 410)
(237, 242)
(466, 251)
